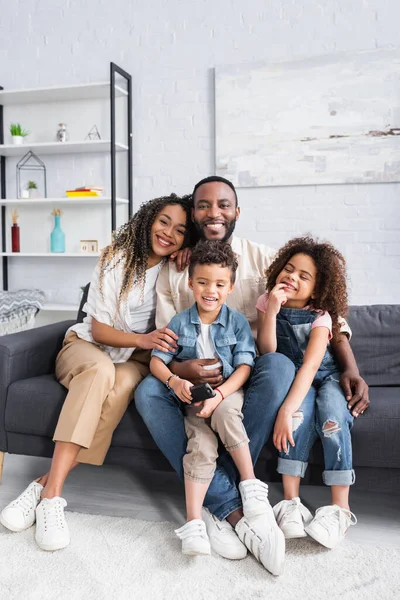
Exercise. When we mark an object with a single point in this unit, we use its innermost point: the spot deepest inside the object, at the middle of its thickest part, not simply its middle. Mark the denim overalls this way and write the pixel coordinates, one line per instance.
(324, 411)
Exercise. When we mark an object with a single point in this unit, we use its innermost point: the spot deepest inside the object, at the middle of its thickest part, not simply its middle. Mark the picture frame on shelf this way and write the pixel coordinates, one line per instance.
(89, 246)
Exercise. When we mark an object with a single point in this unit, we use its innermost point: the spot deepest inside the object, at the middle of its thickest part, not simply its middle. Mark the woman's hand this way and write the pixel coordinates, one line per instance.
(210, 405)
(283, 431)
(181, 387)
(161, 339)
(276, 298)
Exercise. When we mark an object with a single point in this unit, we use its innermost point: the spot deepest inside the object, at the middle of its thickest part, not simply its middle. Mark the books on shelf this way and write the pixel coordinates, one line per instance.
(84, 192)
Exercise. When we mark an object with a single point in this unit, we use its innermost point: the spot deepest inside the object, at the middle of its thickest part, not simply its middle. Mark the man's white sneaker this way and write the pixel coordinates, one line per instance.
(20, 513)
(254, 495)
(330, 524)
(51, 527)
(223, 538)
(194, 538)
(264, 539)
(292, 516)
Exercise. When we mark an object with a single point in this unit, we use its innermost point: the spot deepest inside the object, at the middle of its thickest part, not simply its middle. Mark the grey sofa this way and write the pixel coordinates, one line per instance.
(31, 400)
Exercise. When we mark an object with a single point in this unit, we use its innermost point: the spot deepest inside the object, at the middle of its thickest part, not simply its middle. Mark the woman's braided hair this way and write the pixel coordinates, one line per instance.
(330, 288)
(132, 243)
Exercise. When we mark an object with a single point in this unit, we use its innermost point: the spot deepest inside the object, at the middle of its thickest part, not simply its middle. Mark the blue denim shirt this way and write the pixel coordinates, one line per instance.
(230, 334)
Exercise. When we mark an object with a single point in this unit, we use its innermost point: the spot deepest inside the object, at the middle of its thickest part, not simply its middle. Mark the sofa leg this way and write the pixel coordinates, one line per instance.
(1, 464)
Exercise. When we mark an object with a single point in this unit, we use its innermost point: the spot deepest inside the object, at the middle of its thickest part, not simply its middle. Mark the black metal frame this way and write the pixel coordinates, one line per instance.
(114, 69)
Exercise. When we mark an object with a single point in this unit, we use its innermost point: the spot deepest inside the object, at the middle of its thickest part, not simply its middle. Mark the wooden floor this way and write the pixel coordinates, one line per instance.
(158, 496)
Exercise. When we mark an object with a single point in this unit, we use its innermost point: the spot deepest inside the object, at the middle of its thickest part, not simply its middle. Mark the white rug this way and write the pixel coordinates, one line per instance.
(123, 559)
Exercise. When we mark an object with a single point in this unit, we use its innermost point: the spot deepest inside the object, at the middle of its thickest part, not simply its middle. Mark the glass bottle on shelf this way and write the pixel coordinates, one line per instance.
(62, 133)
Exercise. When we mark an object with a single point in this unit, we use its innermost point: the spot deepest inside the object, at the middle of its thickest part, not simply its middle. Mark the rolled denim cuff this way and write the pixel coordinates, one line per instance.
(339, 477)
(296, 468)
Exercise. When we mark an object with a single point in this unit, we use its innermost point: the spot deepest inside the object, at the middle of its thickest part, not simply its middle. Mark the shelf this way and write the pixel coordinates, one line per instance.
(51, 254)
(83, 200)
(64, 93)
(61, 307)
(61, 147)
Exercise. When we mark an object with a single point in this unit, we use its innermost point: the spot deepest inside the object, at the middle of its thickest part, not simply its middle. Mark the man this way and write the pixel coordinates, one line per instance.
(215, 212)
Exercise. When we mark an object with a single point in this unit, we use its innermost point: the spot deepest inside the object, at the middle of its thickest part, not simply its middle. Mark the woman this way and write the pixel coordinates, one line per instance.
(104, 359)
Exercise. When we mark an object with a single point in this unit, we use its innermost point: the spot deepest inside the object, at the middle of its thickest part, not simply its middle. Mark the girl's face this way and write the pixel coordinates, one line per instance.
(299, 276)
(168, 230)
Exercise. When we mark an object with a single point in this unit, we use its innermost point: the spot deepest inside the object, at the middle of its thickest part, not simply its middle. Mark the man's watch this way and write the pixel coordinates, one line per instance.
(169, 379)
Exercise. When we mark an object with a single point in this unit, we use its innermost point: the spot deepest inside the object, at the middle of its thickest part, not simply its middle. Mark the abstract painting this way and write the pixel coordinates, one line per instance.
(323, 120)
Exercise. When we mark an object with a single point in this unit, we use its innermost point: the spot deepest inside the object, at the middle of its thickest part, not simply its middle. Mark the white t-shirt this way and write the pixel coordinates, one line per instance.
(142, 315)
(205, 346)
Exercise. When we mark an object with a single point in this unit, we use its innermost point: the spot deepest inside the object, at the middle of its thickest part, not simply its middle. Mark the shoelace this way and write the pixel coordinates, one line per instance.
(332, 515)
(52, 515)
(291, 510)
(26, 500)
(256, 489)
(192, 529)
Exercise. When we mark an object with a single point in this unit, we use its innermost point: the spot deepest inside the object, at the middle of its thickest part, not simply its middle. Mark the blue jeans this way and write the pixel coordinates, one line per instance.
(162, 412)
(323, 414)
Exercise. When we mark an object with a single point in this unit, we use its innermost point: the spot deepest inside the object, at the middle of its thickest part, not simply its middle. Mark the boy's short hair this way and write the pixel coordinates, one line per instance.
(214, 252)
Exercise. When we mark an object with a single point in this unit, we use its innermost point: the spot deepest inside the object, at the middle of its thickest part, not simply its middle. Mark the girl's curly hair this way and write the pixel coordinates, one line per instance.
(132, 243)
(330, 288)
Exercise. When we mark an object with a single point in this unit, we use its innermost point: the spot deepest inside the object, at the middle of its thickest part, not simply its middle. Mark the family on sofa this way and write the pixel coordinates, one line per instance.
(305, 383)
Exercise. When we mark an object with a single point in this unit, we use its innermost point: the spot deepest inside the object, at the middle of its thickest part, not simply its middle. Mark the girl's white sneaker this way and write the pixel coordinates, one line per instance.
(194, 538)
(51, 527)
(330, 524)
(292, 517)
(20, 513)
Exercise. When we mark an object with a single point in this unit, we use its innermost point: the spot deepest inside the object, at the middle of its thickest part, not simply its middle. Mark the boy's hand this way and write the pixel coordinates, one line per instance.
(181, 388)
(283, 432)
(276, 298)
(210, 405)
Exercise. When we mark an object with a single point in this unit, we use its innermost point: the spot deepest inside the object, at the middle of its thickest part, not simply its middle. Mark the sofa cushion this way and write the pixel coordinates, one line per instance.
(375, 342)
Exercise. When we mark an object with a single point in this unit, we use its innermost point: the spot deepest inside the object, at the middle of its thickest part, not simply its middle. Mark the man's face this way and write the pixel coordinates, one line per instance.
(215, 212)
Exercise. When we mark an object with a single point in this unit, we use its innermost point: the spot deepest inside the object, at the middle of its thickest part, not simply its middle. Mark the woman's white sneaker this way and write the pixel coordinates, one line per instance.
(51, 527)
(330, 524)
(254, 495)
(194, 538)
(292, 516)
(20, 513)
(223, 538)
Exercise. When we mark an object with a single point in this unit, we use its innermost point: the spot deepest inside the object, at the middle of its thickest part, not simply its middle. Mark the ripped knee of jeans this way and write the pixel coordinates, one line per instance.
(297, 419)
(330, 427)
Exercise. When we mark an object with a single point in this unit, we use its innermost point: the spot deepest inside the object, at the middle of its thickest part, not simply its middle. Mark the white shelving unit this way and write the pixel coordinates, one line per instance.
(64, 94)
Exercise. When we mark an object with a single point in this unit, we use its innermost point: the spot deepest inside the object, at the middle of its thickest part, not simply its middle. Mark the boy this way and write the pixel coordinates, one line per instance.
(210, 329)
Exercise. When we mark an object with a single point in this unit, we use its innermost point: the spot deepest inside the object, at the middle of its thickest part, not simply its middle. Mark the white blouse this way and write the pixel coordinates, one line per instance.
(135, 313)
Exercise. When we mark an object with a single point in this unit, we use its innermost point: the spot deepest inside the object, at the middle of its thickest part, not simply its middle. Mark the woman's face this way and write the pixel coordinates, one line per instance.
(168, 230)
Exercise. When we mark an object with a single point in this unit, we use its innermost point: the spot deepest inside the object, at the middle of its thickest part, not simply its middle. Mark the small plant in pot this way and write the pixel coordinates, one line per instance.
(18, 133)
(32, 189)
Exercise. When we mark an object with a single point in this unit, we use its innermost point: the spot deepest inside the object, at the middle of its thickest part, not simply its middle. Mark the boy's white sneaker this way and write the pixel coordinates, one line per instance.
(223, 538)
(330, 524)
(292, 516)
(20, 513)
(254, 495)
(51, 527)
(194, 538)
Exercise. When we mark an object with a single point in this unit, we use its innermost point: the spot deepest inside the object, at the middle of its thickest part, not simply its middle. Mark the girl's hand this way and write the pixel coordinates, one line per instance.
(283, 432)
(161, 339)
(276, 298)
(210, 405)
(181, 387)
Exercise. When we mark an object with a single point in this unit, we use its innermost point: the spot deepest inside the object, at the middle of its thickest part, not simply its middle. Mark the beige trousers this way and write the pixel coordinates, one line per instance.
(99, 392)
(202, 450)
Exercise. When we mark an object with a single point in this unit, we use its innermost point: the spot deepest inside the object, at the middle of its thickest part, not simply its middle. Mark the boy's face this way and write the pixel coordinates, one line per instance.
(211, 285)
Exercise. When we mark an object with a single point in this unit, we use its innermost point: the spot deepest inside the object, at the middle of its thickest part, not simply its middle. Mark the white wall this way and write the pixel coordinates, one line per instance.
(171, 47)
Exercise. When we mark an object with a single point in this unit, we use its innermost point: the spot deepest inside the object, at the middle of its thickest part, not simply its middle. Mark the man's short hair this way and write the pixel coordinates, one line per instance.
(213, 179)
(214, 252)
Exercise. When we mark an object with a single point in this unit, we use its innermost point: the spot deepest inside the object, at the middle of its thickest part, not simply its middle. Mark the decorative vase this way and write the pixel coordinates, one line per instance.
(57, 237)
(15, 238)
(25, 194)
(62, 133)
(32, 192)
(17, 140)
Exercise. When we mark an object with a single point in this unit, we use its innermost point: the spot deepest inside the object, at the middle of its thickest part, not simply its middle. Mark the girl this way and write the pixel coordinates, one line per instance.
(299, 314)
(104, 359)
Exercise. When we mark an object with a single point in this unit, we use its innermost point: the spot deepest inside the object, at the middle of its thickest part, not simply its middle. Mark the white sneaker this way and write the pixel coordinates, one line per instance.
(194, 538)
(264, 539)
(223, 538)
(20, 513)
(330, 524)
(292, 516)
(51, 527)
(254, 495)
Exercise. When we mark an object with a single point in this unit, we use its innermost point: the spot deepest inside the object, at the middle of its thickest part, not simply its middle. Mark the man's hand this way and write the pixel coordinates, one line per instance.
(161, 339)
(210, 405)
(194, 371)
(283, 431)
(356, 392)
(181, 258)
(181, 388)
